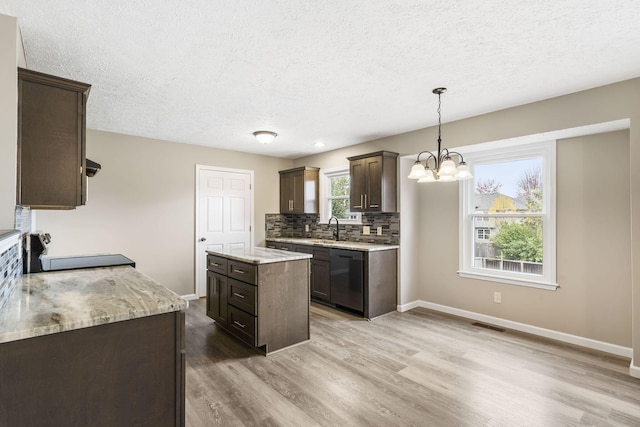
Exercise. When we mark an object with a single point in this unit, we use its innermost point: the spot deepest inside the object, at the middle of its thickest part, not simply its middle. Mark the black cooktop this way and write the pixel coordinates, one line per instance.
(57, 263)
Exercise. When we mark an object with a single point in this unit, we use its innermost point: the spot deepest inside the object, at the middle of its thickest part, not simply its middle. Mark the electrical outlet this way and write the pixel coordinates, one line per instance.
(497, 297)
(306, 227)
(379, 231)
(366, 230)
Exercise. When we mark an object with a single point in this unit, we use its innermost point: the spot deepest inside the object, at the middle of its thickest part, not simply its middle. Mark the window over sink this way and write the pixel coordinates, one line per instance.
(334, 196)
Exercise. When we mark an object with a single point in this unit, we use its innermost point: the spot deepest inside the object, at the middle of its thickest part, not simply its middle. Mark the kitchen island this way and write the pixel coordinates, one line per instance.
(100, 346)
(260, 295)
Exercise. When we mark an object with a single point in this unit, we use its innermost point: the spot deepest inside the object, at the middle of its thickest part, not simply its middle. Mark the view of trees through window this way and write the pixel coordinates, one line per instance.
(340, 197)
(509, 197)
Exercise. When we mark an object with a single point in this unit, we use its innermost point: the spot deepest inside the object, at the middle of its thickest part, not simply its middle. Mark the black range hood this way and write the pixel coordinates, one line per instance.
(92, 167)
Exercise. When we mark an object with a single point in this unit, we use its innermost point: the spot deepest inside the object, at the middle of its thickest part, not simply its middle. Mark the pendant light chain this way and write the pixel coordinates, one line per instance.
(444, 168)
(439, 118)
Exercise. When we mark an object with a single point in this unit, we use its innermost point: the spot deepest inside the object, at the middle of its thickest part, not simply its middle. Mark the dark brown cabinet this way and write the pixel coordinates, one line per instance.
(281, 246)
(51, 141)
(124, 373)
(217, 297)
(320, 283)
(299, 190)
(373, 182)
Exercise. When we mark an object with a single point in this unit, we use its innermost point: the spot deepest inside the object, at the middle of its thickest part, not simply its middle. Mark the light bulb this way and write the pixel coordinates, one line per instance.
(417, 171)
(447, 168)
(428, 176)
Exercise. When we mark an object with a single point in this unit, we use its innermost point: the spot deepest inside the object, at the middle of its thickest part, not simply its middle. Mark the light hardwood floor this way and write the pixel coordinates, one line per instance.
(419, 368)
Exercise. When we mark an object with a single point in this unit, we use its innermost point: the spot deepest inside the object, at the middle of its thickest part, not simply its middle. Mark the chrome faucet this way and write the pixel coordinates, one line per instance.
(337, 232)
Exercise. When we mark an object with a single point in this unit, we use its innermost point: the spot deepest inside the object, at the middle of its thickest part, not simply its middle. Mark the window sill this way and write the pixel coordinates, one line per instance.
(539, 284)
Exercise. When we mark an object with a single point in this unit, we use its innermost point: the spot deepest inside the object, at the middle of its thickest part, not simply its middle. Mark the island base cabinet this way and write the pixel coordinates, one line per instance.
(117, 374)
(267, 305)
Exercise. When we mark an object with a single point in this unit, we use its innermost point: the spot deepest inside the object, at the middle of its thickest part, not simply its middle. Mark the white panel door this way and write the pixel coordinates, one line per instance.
(223, 215)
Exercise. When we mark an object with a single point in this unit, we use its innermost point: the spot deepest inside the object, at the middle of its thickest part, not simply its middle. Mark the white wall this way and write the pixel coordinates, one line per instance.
(142, 204)
(8, 119)
(599, 305)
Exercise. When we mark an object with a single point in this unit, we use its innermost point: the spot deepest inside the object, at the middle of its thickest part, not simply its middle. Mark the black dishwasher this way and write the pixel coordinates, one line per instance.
(347, 281)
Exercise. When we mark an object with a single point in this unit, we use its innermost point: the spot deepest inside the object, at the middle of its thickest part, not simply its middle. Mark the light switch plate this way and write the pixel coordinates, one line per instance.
(379, 231)
(366, 230)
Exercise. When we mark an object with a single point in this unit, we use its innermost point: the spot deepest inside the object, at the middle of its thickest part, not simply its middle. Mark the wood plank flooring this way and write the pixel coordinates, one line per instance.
(419, 368)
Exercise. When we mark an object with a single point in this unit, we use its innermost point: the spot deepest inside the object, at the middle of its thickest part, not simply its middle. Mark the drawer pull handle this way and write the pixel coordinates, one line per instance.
(374, 206)
(285, 249)
(239, 295)
(215, 264)
(239, 324)
(235, 270)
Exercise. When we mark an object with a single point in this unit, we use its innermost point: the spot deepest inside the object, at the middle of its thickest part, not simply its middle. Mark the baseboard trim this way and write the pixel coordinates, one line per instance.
(634, 370)
(530, 329)
(189, 297)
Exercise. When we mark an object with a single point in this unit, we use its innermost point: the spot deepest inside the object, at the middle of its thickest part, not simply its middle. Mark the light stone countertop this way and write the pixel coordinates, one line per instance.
(47, 303)
(354, 246)
(260, 255)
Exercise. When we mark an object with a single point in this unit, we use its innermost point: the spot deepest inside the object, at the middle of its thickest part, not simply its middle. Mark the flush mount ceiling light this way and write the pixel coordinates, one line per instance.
(265, 136)
(445, 169)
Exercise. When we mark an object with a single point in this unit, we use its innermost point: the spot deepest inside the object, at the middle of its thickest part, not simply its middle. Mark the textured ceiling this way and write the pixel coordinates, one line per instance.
(210, 72)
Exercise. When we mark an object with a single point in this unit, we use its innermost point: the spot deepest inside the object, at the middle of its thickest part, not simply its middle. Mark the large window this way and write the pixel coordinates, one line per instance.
(334, 196)
(507, 216)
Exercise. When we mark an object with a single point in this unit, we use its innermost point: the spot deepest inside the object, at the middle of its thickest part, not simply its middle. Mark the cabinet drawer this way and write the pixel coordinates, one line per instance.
(242, 271)
(242, 295)
(243, 325)
(321, 253)
(217, 264)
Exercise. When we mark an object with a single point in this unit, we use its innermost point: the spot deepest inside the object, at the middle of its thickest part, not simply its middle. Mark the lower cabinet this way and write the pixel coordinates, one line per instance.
(116, 374)
(362, 282)
(217, 297)
(264, 305)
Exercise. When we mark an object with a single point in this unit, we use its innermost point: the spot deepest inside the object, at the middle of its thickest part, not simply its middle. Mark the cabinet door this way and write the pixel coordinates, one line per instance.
(320, 280)
(217, 297)
(297, 206)
(373, 173)
(51, 141)
(286, 192)
(357, 187)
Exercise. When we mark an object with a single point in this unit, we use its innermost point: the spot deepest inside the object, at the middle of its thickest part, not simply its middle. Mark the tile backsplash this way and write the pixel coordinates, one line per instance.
(10, 267)
(293, 225)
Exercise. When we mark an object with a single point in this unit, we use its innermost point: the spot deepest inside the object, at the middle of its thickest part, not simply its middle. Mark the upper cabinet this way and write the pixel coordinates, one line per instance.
(373, 182)
(51, 141)
(299, 190)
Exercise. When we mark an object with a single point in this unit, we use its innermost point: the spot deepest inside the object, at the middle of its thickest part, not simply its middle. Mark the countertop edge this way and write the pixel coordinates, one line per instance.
(354, 246)
(279, 256)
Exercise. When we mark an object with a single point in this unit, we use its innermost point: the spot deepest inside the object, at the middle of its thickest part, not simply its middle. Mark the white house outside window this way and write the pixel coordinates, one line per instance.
(334, 196)
(507, 216)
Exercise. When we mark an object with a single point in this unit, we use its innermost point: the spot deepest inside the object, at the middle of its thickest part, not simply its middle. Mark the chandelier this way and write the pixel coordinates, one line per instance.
(445, 169)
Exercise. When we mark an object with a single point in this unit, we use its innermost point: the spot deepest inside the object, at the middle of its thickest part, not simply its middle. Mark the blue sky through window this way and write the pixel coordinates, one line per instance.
(506, 173)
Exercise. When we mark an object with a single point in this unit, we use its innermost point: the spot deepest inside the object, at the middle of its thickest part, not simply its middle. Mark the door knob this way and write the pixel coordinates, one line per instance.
(203, 239)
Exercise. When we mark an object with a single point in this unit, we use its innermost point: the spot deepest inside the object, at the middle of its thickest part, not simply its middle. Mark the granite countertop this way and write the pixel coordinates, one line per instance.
(355, 246)
(4, 234)
(47, 303)
(260, 255)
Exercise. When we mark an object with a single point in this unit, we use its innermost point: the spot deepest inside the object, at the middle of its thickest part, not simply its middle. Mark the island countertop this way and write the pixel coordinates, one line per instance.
(47, 303)
(259, 255)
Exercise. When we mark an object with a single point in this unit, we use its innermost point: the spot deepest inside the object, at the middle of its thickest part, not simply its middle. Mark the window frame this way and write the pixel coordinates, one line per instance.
(497, 154)
(325, 195)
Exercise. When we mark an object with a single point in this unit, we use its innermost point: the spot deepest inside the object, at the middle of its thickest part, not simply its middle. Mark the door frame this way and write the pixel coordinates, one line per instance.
(200, 267)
